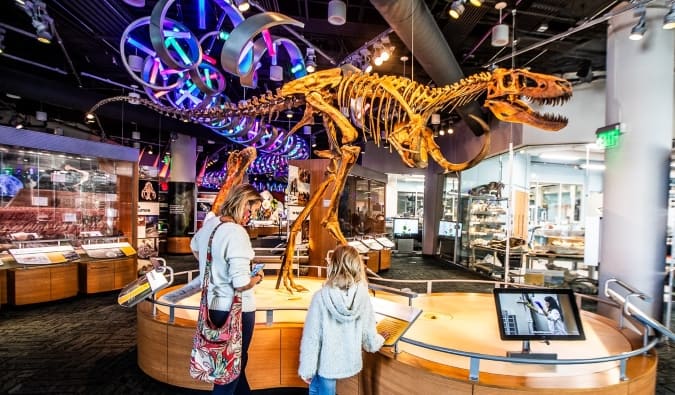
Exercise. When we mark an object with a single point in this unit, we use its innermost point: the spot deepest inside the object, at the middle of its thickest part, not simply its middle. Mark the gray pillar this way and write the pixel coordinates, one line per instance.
(640, 96)
(433, 193)
(182, 194)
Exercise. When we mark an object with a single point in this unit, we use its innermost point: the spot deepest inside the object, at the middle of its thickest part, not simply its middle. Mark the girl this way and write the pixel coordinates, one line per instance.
(340, 321)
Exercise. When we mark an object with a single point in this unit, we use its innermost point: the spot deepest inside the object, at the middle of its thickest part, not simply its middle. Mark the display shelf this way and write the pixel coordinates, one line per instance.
(484, 221)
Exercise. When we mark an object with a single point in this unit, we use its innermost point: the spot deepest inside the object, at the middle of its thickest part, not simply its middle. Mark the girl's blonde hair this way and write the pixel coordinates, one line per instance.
(345, 268)
(234, 204)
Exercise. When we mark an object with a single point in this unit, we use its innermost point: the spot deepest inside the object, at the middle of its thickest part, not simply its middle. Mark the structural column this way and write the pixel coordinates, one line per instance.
(640, 97)
(182, 194)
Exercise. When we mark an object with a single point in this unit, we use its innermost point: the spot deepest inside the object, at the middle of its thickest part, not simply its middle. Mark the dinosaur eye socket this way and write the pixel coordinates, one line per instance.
(527, 82)
(507, 80)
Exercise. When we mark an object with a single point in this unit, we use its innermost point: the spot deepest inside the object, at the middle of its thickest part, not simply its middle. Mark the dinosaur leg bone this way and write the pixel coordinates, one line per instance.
(286, 271)
(349, 155)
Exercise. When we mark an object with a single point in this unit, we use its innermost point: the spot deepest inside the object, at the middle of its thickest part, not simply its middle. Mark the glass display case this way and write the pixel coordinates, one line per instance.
(449, 226)
(48, 195)
(56, 195)
(362, 207)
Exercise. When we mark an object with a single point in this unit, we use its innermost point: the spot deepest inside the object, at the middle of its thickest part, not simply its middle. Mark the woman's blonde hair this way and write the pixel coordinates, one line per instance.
(345, 267)
(234, 204)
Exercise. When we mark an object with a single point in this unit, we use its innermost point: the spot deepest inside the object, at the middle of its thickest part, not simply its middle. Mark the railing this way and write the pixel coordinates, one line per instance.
(617, 301)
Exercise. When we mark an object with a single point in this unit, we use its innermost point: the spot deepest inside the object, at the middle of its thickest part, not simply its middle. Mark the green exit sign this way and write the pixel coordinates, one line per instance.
(608, 136)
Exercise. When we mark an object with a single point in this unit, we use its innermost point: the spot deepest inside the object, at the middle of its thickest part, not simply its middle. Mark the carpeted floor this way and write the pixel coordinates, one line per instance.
(87, 344)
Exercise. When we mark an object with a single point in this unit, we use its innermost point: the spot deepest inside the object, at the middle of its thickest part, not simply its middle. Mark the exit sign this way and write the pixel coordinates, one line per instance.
(608, 136)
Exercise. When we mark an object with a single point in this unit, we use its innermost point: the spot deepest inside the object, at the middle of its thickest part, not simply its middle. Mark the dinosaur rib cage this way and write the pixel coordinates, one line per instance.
(378, 103)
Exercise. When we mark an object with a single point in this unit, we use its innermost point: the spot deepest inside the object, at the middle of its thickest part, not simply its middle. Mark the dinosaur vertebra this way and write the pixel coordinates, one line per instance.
(384, 107)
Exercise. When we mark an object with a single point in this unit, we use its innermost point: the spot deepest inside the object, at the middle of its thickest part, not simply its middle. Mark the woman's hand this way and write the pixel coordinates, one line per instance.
(307, 380)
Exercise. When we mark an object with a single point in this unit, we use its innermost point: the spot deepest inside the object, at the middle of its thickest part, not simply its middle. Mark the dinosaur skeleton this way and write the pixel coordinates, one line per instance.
(382, 107)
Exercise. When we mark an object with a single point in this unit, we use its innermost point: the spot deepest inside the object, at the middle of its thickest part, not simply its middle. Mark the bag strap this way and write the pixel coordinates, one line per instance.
(207, 274)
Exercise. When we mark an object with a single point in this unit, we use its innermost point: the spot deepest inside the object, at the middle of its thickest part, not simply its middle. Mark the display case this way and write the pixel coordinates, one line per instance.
(484, 236)
(362, 206)
(55, 193)
(486, 220)
(449, 227)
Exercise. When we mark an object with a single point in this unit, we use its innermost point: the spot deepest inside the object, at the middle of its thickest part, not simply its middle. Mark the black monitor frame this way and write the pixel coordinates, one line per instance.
(405, 234)
(454, 227)
(514, 298)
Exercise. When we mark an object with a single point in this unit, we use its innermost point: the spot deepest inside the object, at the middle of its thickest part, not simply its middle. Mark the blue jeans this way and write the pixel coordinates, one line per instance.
(322, 386)
(240, 385)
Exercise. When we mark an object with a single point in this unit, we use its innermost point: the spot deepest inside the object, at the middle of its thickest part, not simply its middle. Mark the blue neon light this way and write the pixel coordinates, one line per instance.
(201, 5)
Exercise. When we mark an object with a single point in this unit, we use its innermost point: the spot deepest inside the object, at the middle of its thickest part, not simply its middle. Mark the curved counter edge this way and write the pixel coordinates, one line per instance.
(164, 354)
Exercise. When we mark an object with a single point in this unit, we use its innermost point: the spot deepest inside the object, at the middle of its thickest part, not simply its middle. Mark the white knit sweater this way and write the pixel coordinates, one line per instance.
(339, 324)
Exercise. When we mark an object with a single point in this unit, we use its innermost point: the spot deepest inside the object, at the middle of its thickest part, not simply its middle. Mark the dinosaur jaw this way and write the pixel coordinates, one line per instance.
(510, 109)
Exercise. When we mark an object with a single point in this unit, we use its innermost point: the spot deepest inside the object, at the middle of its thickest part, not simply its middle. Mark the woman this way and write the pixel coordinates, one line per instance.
(231, 270)
(554, 316)
(339, 323)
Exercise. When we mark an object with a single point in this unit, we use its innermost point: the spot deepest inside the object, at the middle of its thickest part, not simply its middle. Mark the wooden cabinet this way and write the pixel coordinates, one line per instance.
(106, 275)
(42, 284)
(3, 287)
(385, 259)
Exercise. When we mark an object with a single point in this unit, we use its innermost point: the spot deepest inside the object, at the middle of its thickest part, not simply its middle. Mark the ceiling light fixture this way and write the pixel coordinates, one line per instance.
(669, 19)
(638, 31)
(476, 3)
(310, 60)
(42, 22)
(500, 32)
(456, 9)
(337, 12)
(289, 114)
(242, 5)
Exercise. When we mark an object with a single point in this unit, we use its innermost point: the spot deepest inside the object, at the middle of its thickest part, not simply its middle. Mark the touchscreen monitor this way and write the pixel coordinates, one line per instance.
(406, 226)
(447, 228)
(537, 314)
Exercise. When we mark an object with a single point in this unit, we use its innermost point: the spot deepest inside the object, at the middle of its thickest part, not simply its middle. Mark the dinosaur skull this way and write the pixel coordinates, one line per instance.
(507, 87)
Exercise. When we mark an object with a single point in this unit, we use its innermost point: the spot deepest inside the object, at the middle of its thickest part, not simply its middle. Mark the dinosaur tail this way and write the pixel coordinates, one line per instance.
(437, 155)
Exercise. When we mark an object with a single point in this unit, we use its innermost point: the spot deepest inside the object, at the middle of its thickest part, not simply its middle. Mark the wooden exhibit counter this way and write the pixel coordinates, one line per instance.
(22, 284)
(460, 321)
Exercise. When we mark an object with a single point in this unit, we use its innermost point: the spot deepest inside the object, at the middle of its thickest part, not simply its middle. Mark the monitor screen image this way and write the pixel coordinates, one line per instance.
(406, 226)
(537, 314)
(447, 228)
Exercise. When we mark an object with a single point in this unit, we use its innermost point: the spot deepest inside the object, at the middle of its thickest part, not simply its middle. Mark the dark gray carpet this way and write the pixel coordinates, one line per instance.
(87, 344)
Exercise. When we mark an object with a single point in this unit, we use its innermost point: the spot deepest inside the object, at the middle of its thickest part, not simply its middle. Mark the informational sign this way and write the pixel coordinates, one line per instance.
(181, 208)
(44, 255)
(109, 250)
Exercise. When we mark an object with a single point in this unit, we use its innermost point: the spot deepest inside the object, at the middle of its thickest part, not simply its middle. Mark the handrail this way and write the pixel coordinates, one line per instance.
(408, 294)
(474, 358)
(631, 310)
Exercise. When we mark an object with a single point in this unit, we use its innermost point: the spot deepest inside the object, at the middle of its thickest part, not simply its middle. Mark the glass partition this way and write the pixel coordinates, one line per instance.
(362, 207)
(49, 195)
